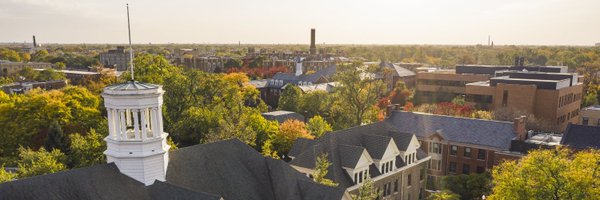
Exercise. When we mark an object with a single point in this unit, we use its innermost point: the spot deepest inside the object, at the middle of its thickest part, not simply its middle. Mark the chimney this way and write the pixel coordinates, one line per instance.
(390, 109)
(34, 43)
(313, 48)
(519, 127)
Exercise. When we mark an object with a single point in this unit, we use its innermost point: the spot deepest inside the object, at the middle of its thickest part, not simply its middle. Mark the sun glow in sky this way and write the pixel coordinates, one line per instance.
(536, 22)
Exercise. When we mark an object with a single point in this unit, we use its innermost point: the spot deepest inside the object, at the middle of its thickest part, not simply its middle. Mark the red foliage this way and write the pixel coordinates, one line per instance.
(448, 108)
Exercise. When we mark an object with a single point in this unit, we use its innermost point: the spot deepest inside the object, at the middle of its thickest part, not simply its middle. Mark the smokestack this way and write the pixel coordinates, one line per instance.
(34, 43)
(313, 48)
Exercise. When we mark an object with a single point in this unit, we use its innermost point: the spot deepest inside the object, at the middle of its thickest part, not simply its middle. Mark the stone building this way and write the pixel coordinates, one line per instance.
(590, 116)
(10, 68)
(117, 59)
(392, 159)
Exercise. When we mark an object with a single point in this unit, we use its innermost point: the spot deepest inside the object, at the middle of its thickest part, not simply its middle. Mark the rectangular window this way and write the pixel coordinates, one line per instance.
(467, 152)
(466, 169)
(435, 148)
(408, 180)
(360, 177)
(396, 186)
(439, 166)
(453, 150)
(480, 169)
(452, 167)
(422, 174)
(481, 154)
(505, 98)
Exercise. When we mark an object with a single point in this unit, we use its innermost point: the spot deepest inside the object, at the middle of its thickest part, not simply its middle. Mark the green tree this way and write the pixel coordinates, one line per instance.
(87, 150)
(321, 169)
(317, 126)
(60, 66)
(33, 163)
(29, 74)
(315, 103)
(358, 90)
(56, 138)
(290, 98)
(367, 191)
(443, 195)
(470, 186)
(10, 55)
(549, 174)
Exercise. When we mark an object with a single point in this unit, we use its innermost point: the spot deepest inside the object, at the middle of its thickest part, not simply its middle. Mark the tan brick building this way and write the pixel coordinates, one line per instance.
(8, 68)
(547, 92)
(590, 116)
(554, 97)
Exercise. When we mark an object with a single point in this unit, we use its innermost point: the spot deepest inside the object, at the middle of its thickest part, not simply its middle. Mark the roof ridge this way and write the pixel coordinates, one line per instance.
(456, 117)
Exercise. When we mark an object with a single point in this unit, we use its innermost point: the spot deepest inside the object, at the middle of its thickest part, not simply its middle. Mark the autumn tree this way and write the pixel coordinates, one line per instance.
(317, 126)
(549, 174)
(289, 131)
(290, 98)
(321, 169)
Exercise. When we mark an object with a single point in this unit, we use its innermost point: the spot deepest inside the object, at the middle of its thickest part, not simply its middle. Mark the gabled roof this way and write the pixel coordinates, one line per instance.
(375, 144)
(236, 171)
(581, 137)
(494, 134)
(228, 169)
(344, 148)
(350, 155)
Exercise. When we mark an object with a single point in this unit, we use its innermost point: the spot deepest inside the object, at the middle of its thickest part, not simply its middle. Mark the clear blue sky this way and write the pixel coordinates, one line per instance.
(538, 22)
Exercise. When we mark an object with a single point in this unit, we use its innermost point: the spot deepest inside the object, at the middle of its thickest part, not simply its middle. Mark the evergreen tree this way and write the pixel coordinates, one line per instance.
(366, 191)
(56, 138)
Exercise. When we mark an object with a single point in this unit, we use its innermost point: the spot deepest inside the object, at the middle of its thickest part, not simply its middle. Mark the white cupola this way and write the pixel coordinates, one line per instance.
(136, 142)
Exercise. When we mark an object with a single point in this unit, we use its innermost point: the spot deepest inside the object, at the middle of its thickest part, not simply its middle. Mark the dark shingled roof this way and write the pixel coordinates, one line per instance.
(234, 170)
(326, 73)
(495, 134)
(581, 137)
(344, 148)
(350, 155)
(300, 145)
(228, 169)
(97, 182)
(375, 144)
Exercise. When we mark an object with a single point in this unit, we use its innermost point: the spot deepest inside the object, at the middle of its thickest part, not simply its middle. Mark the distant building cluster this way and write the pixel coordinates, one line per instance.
(547, 92)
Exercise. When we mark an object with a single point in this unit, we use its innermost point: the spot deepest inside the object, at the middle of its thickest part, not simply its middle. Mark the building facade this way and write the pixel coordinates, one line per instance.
(590, 116)
(115, 58)
(10, 68)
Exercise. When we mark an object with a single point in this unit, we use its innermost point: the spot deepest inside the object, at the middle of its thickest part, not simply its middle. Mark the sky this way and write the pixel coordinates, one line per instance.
(452, 22)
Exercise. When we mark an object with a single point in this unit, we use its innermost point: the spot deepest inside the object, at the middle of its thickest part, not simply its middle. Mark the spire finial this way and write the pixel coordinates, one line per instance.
(130, 46)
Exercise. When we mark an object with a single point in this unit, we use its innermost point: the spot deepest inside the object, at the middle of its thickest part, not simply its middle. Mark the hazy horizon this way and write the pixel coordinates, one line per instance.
(272, 22)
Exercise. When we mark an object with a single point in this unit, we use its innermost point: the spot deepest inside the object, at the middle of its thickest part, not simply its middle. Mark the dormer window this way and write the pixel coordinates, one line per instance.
(361, 176)
(387, 167)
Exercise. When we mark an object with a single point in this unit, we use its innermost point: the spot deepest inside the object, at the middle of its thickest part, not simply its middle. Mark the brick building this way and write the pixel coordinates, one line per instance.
(590, 116)
(457, 145)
